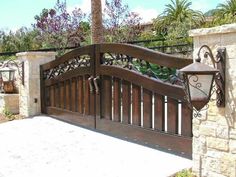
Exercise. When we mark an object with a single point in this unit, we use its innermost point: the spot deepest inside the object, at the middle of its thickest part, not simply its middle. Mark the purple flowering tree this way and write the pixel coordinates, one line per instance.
(120, 24)
(59, 28)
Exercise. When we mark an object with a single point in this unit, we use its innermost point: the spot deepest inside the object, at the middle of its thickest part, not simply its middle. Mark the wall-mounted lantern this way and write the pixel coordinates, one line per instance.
(7, 77)
(198, 79)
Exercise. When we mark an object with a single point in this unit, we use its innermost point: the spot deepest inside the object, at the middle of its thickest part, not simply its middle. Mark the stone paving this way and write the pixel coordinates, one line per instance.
(45, 147)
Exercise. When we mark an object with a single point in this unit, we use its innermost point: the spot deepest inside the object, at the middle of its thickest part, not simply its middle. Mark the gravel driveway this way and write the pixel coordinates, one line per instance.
(45, 147)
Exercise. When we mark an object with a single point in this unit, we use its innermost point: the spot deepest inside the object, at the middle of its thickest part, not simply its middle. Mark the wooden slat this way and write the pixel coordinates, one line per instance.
(80, 94)
(92, 103)
(57, 95)
(186, 123)
(47, 96)
(136, 105)
(62, 95)
(73, 94)
(159, 120)
(117, 99)
(52, 91)
(68, 100)
(172, 116)
(86, 96)
(155, 85)
(147, 108)
(106, 98)
(54, 96)
(126, 101)
(68, 75)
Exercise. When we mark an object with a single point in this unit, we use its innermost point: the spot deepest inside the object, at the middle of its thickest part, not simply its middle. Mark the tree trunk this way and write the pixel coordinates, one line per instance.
(97, 28)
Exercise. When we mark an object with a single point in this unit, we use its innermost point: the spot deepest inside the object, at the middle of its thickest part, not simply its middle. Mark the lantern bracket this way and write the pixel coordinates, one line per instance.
(218, 62)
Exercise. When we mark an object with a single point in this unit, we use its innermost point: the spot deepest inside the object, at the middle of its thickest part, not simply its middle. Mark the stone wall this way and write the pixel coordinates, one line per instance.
(9, 102)
(29, 101)
(214, 134)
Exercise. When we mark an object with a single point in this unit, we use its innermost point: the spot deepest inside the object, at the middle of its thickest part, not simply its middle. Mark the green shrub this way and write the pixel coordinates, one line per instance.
(8, 114)
(185, 173)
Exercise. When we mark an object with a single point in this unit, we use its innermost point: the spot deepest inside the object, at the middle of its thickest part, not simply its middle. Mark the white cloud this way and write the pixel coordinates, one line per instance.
(146, 14)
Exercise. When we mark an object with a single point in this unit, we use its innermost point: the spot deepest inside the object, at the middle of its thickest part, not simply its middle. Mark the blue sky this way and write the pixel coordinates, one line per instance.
(17, 13)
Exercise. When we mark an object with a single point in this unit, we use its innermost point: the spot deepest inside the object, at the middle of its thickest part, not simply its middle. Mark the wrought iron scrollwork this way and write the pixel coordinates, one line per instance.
(219, 63)
(79, 61)
(138, 65)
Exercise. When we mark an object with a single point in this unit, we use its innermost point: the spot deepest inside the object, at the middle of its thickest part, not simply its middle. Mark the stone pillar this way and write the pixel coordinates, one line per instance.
(214, 134)
(29, 100)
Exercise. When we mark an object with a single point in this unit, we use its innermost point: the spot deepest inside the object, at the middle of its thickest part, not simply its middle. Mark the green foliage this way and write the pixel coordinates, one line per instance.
(154, 70)
(225, 13)
(176, 20)
(8, 114)
(184, 173)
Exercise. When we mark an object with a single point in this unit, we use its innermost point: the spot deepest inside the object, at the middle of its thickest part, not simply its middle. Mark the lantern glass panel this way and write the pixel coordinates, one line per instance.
(200, 86)
(5, 75)
(11, 75)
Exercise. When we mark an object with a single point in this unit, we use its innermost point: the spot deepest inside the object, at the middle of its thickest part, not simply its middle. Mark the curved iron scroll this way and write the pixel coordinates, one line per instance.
(76, 62)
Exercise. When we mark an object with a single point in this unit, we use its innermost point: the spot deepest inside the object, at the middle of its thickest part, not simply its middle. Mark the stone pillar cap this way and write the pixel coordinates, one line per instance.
(36, 54)
(229, 28)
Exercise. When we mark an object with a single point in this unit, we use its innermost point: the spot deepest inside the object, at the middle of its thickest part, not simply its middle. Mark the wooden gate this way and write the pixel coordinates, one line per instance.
(100, 86)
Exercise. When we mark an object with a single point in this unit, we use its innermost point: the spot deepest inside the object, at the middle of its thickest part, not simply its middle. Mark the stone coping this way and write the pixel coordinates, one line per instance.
(9, 94)
(36, 54)
(229, 28)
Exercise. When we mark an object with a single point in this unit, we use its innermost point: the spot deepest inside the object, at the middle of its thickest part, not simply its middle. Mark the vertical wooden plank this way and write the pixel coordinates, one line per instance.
(57, 95)
(136, 105)
(147, 108)
(159, 120)
(126, 101)
(172, 116)
(52, 95)
(86, 96)
(92, 103)
(106, 98)
(62, 96)
(80, 95)
(47, 97)
(73, 94)
(117, 99)
(67, 94)
(186, 122)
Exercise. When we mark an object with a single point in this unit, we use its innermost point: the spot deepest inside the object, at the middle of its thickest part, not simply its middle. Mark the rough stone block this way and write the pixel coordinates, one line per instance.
(232, 146)
(208, 130)
(9, 102)
(217, 143)
(222, 132)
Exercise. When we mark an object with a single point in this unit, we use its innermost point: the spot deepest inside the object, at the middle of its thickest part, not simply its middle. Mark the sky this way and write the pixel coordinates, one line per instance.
(17, 13)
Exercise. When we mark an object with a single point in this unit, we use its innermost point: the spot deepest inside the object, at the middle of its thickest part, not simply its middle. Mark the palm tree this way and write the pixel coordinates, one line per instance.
(179, 11)
(228, 8)
(97, 28)
(225, 13)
